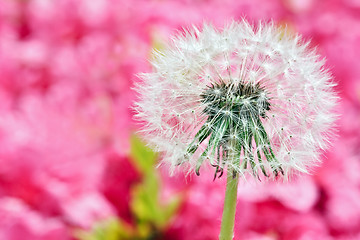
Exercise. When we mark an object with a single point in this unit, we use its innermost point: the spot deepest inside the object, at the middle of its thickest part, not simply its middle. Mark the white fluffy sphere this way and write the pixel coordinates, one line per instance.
(257, 100)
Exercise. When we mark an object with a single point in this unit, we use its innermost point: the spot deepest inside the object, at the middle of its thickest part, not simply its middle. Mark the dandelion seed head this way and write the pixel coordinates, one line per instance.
(256, 99)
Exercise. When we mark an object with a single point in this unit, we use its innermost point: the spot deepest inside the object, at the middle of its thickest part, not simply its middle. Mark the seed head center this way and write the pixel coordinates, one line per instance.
(234, 113)
(242, 101)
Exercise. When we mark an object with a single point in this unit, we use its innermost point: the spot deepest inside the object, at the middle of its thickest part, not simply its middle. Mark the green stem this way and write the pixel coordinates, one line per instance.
(228, 217)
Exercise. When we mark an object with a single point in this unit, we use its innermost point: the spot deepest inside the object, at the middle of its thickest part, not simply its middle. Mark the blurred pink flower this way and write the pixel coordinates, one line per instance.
(340, 182)
(200, 216)
(65, 79)
(288, 224)
(301, 194)
(18, 222)
(47, 152)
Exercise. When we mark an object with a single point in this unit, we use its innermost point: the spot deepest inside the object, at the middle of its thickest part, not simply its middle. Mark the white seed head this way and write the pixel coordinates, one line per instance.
(256, 99)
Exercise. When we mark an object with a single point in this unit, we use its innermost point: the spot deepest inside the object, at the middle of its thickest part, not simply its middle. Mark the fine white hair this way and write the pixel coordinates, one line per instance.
(293, 80)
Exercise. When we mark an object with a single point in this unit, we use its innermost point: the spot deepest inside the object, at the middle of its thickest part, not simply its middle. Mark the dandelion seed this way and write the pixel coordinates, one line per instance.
(255, 99)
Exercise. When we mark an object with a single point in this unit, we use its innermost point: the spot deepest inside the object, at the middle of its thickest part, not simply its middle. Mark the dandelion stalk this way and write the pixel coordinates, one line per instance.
(229, 210)
(228, 217)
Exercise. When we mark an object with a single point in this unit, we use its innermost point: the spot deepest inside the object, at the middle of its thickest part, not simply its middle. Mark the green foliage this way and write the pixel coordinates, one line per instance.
(143, 157)
(145, 203)
(151, 216)
(111, 229)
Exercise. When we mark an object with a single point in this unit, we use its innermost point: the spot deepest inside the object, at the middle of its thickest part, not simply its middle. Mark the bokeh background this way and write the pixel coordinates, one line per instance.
(71, 166)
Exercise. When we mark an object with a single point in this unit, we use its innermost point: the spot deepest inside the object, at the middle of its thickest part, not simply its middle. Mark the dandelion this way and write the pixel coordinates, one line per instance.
(253, 100)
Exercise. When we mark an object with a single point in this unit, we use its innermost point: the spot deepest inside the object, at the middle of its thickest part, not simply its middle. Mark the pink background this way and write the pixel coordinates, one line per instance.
(67, 68)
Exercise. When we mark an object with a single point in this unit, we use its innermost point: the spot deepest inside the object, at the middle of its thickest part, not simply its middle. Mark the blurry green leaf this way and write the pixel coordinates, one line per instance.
(172, 206)
(145, 199)
(144, 158)
(145, 204)
(150, 214)
(111, 229)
